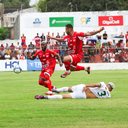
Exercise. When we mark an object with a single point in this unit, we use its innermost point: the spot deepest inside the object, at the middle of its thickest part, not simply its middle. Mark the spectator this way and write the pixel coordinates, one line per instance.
(24, 47)
(86, 56)
(18, 46)
(63, 34)
(42, 37)
(105, 36)
(37, 41)
(52, 42)
(111, 57)
(31, 47)
(12, 47)
(14, 55)
(48, 40)
(6, 46)
(123, 56)
(105, 57)
(126, 37)
(57, 36)
(8, 51)
(99, 38)
(121, 35)
(7, 56)
(1, 47)
(22, 56)
(120, 44)
(1, 56)
(23, 40)
(2, 51)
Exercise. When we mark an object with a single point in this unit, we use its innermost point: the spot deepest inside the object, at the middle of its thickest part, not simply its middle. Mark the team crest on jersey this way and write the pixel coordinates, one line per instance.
(47, 56)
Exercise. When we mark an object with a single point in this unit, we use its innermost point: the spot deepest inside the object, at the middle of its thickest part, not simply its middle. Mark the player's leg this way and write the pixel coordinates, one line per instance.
(77, 93)
(64, 96)
(63, 89)
(79, 68)
(68, 89)
(76, 58)
(45, 81)
(67, 62)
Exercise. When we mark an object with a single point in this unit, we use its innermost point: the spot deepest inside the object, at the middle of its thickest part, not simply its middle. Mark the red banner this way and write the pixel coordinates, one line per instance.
(110, 20)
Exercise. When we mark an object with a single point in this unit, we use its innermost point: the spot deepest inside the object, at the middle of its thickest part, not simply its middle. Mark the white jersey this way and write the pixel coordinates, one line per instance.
(101, 92)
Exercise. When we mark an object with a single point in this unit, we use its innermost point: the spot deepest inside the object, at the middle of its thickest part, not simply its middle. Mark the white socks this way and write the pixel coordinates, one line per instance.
(64, 89)
(55, 97)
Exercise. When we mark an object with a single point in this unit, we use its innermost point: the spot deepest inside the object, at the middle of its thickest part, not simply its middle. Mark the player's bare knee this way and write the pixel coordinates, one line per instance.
(66, 96)
(67, 59)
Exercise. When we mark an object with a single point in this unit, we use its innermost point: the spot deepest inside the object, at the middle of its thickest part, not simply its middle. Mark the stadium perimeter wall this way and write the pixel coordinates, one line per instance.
(28, 65)
(114, 22)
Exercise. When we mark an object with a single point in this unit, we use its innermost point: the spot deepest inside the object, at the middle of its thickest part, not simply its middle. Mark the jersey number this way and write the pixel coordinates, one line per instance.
(102, 93)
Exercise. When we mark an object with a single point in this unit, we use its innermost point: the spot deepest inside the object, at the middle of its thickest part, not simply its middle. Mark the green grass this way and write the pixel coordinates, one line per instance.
(19, 109)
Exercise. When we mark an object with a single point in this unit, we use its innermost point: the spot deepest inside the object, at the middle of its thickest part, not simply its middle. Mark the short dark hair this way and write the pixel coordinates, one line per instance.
(69, 26)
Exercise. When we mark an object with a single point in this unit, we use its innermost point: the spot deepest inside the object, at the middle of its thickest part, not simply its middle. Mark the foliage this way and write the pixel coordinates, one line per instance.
(81, 5)
(4, 33)
(15, 3)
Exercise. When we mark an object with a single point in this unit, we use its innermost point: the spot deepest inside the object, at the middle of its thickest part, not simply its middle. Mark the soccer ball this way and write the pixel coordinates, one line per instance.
(17, 70)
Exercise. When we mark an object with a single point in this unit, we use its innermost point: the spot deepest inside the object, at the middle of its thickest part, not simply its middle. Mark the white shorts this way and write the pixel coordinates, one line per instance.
(78, 91)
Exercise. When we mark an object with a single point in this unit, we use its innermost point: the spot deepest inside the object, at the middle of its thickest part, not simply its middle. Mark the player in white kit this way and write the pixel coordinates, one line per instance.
(82, 91)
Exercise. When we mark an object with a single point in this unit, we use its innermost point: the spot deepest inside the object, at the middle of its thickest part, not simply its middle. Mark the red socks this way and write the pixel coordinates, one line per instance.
(46, 84)
(78, 68)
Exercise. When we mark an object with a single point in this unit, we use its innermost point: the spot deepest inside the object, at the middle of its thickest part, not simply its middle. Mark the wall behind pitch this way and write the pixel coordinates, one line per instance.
(32, 23)
(28, 65)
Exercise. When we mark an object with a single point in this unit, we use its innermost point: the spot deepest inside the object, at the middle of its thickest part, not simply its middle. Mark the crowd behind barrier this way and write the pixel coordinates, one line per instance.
(96, 50)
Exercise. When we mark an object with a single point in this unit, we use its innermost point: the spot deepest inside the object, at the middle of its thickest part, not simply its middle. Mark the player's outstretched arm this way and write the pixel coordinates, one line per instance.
(93, 85)
(54, 38)
(94, 32)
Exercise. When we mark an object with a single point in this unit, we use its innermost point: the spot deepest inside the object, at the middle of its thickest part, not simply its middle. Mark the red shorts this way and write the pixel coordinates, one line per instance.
(49, 70)
(76, 58)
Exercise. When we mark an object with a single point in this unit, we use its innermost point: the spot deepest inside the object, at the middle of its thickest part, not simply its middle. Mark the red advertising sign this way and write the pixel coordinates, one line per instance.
(110, 20)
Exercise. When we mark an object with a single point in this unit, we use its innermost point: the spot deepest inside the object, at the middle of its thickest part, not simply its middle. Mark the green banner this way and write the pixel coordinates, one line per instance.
(60, 21)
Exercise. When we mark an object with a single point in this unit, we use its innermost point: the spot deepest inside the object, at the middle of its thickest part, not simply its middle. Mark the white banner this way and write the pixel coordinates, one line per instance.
(8, 65)
(33, 23)
(106, 66)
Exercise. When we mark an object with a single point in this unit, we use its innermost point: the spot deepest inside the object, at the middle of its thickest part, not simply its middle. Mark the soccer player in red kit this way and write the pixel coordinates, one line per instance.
(75, 52)
(48, 60)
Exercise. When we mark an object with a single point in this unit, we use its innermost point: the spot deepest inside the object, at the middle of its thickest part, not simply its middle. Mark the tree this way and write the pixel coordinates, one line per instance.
(81, 5)
(12, 5)
(4, 33)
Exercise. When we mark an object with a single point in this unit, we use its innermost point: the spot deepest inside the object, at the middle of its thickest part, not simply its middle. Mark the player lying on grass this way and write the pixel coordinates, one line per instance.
(48, 60)
(82, 91)
(75, 52)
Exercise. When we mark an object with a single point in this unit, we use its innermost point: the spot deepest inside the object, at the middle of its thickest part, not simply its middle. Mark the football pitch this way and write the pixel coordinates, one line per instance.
(19, 109)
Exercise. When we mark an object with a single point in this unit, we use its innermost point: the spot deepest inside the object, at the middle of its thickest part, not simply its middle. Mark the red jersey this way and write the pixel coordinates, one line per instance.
(23, 39)
(37, 39)
(75, 43)
(126, 36)
(47, 58)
